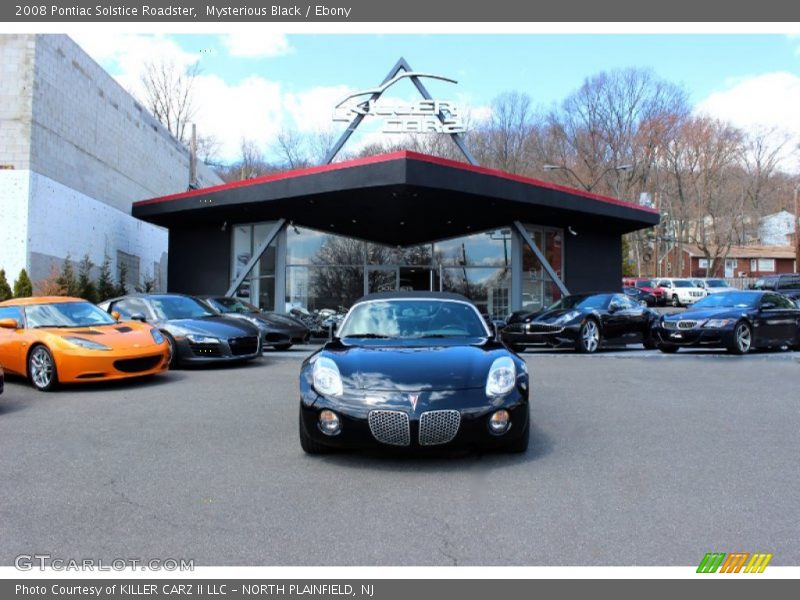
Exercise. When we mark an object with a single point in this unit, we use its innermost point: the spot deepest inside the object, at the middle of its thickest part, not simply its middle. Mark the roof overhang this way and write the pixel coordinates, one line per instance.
(401, 198)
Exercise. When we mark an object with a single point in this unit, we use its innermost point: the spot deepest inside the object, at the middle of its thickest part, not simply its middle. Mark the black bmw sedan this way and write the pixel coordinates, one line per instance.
(585, 322)
(195, 333)
(413, 370)
(277, 331)
(736, 321)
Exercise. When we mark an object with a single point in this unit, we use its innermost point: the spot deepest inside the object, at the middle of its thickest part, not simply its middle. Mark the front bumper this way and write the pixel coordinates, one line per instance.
(695, 337)
(223, 351)
(472, 405)
(81, 365)
(526, 334)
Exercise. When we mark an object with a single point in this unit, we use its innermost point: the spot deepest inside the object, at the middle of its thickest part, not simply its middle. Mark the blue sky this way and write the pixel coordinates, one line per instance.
(255, 83)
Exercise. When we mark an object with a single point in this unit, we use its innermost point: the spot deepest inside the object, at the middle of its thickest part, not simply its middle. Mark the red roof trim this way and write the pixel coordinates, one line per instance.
(402, 154)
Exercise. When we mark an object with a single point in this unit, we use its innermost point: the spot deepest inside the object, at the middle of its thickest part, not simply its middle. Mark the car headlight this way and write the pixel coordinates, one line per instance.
(201, 339)
(84, 343)
(502, 376)
(327, 379)
(717, 323)
(573, 314)
(157, 337)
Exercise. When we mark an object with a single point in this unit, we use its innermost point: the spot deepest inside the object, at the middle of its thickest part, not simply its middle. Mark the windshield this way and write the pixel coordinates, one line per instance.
(590, 302)
(716, 283)
(66, 314)
(179, 307)
(232, 305)
(728, 300)
(412, 318)
(682, 283)
(644, 283)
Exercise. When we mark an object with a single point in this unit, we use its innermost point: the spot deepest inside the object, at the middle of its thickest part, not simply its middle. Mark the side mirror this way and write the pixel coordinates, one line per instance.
(768, 306)
(9, 324)
(115, 315)
(613, 307)
(331, 330)
(138, 317)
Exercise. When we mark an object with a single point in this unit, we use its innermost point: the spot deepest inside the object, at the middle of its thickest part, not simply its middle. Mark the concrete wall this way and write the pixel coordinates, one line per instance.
(91, 135)
(63, 221)
(16, 96)
(14, 195)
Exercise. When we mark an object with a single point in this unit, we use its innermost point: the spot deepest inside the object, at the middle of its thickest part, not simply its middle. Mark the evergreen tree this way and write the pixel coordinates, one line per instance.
(86, 287)
(67, 279)
(105, 287)
(628, 266)
(147, 285)
(23, 288)
(122, 286)
(5, 289)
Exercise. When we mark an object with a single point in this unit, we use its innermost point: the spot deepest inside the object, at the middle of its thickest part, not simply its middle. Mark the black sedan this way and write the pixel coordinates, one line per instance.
(195, 333)
(585, 322)
(277, 331)
(413, 370)
(639, 295)
(736, 321)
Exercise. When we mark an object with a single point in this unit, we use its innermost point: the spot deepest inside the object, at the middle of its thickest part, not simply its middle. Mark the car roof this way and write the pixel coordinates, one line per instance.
(40, 300)
(402, 295)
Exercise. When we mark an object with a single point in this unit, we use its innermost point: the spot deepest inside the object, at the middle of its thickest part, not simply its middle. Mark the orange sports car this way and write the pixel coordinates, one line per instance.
(52, 340)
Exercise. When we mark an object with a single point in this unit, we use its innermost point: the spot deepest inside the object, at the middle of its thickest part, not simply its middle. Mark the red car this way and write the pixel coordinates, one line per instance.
(646, 285)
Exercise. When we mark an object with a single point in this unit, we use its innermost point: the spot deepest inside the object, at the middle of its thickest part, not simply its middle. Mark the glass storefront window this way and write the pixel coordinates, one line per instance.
(488, 249)
(314, 288)
(538, 289)
(488, 288)
(259, 286)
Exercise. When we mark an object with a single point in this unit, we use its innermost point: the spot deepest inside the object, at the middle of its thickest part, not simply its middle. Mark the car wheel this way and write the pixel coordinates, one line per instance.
(307, 443)
(42, 369)
(588, 337)
(173, 349)
(675, 302)
(518, 348)
(649, 343)
(520, 445)
(742, 338)
(668, 348)
(282, 346)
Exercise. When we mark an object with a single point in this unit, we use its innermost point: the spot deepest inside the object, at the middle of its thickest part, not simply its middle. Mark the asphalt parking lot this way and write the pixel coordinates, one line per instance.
(636, 458)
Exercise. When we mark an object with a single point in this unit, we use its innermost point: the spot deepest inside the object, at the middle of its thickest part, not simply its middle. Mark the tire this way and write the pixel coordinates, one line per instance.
(668, 348)
(173, 350)
(516, 348)
(281, 346)
(42, 371)
(742, 338)
(520, 445)
(675, 302)
(307, 443)
(649, 343)
(589, 337)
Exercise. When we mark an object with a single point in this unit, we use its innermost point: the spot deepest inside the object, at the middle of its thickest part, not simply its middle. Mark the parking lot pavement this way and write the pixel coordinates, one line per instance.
(632, 462)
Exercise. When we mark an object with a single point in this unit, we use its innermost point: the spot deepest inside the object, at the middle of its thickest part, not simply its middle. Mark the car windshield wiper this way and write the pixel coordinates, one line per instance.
(440, 335)
(57, 326)
(369, 336)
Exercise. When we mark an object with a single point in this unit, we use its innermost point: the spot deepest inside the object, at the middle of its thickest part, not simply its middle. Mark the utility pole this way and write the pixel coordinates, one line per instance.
(193, 159)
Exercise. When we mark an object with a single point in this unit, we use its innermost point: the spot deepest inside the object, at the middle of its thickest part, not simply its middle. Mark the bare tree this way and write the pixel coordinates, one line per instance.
(251, 164)
(169, 91)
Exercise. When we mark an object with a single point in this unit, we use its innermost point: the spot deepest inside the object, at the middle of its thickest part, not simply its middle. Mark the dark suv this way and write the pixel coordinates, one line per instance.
(787, 284)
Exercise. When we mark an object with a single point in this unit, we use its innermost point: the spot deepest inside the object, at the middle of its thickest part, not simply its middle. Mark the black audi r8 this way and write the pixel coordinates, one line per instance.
(195, 333)
(413, 370)
(586, 322)
(737, 321)
(277, 331)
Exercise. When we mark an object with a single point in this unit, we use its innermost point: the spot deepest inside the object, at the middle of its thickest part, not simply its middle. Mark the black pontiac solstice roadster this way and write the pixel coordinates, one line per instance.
(413, 370)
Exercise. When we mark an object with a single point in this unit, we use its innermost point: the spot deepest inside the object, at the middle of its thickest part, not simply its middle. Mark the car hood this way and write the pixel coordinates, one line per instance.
(551, 316)
(405, 366)
(221, 327)
(119, 336)
(707, 313)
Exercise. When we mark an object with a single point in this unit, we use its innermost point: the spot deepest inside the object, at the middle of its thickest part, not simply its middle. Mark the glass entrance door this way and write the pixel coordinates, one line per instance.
(382, 279)
(415, 279)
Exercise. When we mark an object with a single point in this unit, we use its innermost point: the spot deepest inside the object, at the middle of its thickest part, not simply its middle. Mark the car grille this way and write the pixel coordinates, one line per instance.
(390, 427)
(206, 350)
(243, 345)
(438, 426)
(137, 365)
(682, 324)
(544, 328)
(696, 294)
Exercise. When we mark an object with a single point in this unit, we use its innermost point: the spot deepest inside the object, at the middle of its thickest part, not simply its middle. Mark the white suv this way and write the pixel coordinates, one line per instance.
(714, 286)
(681, 292)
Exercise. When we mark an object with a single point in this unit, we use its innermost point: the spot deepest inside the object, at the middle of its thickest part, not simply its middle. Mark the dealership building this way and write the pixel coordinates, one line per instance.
(324, 236)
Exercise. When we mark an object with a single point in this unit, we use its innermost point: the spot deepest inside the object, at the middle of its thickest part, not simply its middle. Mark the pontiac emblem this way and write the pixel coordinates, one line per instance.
(413, 398)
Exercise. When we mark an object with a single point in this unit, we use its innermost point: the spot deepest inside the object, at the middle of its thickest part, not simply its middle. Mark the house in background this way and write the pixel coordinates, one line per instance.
(741, 261)
(777, 229)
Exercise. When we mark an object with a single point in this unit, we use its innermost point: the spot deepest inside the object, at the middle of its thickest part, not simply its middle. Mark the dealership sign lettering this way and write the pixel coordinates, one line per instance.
(423, 116)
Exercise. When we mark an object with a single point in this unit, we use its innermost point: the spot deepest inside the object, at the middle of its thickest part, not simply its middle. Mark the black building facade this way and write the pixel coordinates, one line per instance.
(324, 236)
